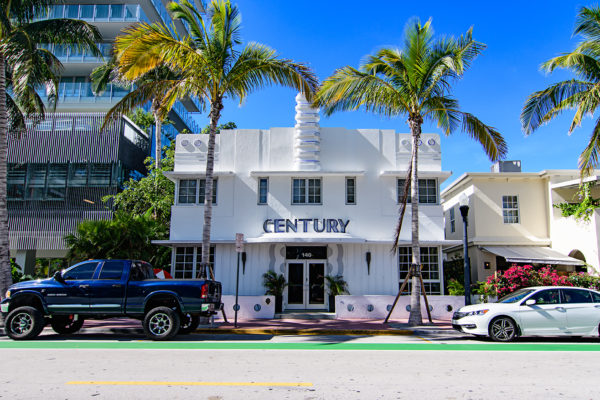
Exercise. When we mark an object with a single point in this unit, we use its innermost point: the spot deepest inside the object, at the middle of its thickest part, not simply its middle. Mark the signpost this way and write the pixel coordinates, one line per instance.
(239, 248)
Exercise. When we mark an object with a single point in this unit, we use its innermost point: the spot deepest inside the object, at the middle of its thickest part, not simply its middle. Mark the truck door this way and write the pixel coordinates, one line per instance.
(108, 290)
(72, 297)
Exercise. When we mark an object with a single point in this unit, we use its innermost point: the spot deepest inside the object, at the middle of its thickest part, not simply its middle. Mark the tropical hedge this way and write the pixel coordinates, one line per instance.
(517, 277)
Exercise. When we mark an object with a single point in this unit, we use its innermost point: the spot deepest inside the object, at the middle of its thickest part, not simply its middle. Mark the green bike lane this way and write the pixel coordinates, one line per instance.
(195, 345)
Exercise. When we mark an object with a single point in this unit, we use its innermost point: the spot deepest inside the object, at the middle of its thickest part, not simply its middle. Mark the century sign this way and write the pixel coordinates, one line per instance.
(303, 224)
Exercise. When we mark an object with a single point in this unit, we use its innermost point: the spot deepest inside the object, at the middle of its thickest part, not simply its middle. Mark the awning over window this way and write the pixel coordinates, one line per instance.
(532, 254)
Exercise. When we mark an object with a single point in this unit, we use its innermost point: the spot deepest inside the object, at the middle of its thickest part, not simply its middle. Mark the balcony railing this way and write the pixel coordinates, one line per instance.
(186, 117)
(79, 91)
(66, 55)
(98, 12)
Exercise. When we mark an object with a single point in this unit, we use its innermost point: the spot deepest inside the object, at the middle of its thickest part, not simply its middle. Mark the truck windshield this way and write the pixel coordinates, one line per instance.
(141, 271)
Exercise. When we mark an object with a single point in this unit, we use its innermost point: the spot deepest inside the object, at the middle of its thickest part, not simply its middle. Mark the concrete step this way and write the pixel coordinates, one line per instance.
(305, 315)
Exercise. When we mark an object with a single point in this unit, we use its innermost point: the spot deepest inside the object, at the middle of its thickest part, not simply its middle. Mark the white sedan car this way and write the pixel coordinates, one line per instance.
(533, 311)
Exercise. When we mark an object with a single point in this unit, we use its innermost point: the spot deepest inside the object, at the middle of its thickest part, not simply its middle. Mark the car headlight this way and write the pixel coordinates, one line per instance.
(7, 296)
(478, 312)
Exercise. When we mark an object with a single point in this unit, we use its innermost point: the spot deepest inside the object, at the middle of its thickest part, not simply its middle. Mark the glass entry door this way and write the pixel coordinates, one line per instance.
(306, 285)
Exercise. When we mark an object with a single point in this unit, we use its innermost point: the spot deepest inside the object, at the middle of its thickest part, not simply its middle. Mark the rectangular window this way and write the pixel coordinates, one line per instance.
(57, 181)
(263, 190)
(16, 181)
(72, 11)
(36, 181)
(427, 191)
(430, 267)
(306, 191)
(116, 11)
(510, 209)
(184, 263)
(211, 261)
(78, 174)
(101, 12)
(131, 12)
(187, 191)
(86, 11)
(452, 221)
(100, 175)
(350, 190)
(202, 191)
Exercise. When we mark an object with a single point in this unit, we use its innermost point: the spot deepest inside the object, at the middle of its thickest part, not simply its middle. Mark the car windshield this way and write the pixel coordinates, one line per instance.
(516, 296)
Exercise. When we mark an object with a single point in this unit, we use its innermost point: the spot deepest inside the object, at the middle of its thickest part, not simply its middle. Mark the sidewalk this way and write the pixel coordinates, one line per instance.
(286, 327)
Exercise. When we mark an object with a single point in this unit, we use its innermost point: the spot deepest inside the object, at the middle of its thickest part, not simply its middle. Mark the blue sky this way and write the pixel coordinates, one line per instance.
(520, 35)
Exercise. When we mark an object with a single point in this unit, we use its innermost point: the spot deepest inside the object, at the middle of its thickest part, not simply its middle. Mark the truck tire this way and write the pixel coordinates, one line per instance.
(189, 323)
(161, 323)
(65, 325)
(24, 323)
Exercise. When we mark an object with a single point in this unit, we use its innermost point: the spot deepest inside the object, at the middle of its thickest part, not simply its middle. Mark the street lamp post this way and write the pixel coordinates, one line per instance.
(464, 212)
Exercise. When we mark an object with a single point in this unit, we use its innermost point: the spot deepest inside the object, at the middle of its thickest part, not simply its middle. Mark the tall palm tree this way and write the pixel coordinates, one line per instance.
(581, 94)
(414, 81)
(25, 67)
(211, 68)
(141, 93)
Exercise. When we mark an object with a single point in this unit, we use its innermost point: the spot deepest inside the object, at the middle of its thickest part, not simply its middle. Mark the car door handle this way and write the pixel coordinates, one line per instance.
(116, 285)
(562, 309)
(84, 286)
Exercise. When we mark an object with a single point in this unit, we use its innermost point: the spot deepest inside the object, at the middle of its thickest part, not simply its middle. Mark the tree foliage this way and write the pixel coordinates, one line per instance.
(581, 94)
(125, 237)
(584, 206)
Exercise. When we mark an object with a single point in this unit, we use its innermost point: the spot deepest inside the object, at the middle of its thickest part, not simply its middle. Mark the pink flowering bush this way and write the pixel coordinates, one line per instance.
(517, 277)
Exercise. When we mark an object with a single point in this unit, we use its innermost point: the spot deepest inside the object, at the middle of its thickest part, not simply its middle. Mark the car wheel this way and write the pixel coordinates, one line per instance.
(65, 325)
(189, 323)
(503, 329)
(161, 323)
(24, 323)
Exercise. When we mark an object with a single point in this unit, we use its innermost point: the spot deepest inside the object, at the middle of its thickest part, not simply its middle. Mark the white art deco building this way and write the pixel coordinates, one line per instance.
(310, 202)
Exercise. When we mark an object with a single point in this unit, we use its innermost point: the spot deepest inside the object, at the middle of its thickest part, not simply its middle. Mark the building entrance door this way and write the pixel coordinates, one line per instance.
(306, 285)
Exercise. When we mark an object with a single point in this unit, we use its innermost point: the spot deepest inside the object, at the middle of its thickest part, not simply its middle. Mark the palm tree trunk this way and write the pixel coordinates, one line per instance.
(415, 317)
(5, 272)
(157, 139)
(215, 115)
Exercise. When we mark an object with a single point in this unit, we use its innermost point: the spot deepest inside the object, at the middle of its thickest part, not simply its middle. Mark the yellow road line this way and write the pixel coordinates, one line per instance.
(162, 383)
(423, 339)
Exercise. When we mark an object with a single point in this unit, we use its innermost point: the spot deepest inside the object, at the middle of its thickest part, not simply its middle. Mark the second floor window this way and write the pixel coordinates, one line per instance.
(263, 190)
(193, 191)
(306, 191)
(350, 190)
(510, 209)
(427, 191)
(452, 221)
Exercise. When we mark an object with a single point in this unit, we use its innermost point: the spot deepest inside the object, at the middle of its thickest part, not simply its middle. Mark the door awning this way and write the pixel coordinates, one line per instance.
(532, 254)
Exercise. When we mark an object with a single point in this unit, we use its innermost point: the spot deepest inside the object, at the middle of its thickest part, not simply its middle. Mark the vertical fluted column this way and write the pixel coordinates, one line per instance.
(307, 137)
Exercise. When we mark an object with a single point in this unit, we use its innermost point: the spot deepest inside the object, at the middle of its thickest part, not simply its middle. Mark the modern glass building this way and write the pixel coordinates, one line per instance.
(60, 169)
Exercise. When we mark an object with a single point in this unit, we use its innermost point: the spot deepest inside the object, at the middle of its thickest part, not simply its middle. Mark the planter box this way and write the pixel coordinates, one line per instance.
(251, 307)
(378, 306)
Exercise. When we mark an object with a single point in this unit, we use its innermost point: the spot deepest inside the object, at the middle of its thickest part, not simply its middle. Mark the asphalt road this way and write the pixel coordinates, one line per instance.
(311, 367)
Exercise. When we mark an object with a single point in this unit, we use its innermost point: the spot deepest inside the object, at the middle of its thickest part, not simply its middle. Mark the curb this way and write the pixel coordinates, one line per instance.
(313, 332)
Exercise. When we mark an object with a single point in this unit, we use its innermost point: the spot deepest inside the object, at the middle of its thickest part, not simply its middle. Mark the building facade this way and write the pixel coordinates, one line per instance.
(310, 202)
(512, 220)
(61, 168)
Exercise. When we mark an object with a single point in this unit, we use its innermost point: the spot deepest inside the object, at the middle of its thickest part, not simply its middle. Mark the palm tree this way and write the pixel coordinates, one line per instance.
(211, 69)
(25, 67)
(414, 81)
(142, 93)
(574, 94)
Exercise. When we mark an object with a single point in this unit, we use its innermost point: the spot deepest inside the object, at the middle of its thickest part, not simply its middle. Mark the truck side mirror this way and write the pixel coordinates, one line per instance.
(58, 277)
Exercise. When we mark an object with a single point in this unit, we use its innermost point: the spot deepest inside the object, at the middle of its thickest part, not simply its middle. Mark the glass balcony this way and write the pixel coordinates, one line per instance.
(66, 55)
(186, 117)
(78, 89)
(98, 12)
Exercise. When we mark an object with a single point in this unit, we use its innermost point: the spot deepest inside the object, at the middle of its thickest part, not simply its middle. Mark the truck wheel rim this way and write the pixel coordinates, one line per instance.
(21, 323)
(159, 324)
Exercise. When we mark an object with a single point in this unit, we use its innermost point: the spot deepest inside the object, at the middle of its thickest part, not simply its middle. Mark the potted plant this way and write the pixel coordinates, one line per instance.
(275, 284)
(337, 286)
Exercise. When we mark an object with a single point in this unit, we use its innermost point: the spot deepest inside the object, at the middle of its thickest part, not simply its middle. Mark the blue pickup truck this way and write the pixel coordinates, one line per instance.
(99, 289)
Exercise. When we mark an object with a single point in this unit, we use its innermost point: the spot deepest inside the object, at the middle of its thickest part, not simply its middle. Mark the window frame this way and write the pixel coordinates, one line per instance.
(507, 209)
(406, 252)
(259, 200)
(192, 264)
(307, 195)
(195, 195)
(203, 193)
(353, 180)
(452, 219)
(400, 187)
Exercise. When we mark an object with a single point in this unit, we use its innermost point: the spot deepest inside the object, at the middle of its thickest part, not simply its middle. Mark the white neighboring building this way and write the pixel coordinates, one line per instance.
(512, 220)
(311, 202)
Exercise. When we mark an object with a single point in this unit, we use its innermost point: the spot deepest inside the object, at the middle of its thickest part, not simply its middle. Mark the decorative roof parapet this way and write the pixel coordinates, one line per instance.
(307, 136)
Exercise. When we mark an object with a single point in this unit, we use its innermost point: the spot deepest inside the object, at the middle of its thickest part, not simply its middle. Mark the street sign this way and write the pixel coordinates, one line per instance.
(239, 242)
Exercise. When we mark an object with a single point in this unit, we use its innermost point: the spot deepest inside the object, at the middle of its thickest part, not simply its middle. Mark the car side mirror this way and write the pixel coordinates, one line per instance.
(58, 277)
(530, 302)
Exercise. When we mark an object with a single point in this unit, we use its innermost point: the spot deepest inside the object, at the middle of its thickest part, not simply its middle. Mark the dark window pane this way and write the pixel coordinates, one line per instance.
(116, 11)
(187, 191)
(546, 297)
(78, 175)
(574, 296)
(17, 174)
(72, 11)
(36, 181)
(102, 11)
(112, 270)
(100, 174)
(263, 190)
(82, 271)
(86, 11)
(202, 191)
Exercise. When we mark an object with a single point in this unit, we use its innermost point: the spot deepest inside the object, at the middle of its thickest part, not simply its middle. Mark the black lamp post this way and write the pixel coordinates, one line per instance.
(464, 212)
